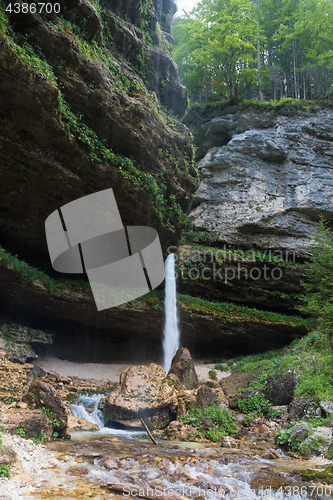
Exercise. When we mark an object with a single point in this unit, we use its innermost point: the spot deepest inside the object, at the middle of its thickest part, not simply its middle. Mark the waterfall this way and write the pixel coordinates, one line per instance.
(79, 409)
(171, 332)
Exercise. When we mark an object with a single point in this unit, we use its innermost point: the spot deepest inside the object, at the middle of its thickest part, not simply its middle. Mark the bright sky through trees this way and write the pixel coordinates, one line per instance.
(186, 5)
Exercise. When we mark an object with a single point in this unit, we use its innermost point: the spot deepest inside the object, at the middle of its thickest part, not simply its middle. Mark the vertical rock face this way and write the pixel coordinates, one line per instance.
(112, 82)
(270, 181)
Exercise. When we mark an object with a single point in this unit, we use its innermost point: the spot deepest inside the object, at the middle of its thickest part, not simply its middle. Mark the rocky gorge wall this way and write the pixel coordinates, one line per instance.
(85, 105)
(266, 177)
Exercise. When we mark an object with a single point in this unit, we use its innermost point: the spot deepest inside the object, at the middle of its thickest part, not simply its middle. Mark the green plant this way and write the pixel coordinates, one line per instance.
(223, 418)
(255, 404)
(20, 432)
(215, 434)
(212, 374)
(319, 283)
(282, 437)
(193, 417)
(51, 416)
(4, 471)
(312, 445)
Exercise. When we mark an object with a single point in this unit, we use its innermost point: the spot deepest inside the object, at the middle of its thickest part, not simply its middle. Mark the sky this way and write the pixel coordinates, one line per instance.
(185, 4)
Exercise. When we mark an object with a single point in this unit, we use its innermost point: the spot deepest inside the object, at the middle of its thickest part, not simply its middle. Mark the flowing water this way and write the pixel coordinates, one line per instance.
(92, 463)
(171, 331)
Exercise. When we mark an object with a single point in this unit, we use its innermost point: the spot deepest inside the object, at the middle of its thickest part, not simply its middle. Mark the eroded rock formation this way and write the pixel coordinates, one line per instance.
(266, 178)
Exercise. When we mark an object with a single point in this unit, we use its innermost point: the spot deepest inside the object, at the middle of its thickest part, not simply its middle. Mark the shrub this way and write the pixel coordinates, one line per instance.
(212, 374)
(223, 418)
(4, 471)
(258, 404)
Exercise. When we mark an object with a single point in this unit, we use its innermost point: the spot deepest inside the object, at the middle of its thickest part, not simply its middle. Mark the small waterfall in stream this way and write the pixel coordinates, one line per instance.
(171, 331)
(79, 409)
(86, 408)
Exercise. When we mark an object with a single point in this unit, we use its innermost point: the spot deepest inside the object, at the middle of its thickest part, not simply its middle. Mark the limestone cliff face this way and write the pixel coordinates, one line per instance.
(80, 111)
(266, 178)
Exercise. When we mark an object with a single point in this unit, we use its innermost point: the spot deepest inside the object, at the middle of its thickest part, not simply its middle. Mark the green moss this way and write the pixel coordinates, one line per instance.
(315, 474)
(32, 274)
(233, 311)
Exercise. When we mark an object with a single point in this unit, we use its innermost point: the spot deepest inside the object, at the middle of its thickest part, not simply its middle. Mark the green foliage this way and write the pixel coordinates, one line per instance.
(20, 432)
(224, 422)
(318, 299)
(193, 417)
(213, 45)
(51, 416)
(215, 49)
(282, 437)
(255, 404)
(33, 274)
(223, 418)
(40, 439)
(4, 471)
(233, 310)
(313, 445)
(220, 367)
(212, 374)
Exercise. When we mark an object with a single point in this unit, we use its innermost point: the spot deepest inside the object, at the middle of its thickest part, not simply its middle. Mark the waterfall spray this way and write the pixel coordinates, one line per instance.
(171, 332)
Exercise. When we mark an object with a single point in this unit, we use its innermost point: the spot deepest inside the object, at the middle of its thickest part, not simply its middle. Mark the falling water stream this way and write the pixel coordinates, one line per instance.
(171, 331)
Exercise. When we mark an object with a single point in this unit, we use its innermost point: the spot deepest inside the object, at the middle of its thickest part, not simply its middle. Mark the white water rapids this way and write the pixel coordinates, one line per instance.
(86, 407)
(171, 331)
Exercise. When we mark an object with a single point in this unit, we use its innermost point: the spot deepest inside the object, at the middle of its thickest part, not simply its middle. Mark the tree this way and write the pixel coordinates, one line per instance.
(318, 299)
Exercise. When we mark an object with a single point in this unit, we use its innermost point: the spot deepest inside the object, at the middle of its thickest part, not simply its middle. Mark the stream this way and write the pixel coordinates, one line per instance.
(86, 465)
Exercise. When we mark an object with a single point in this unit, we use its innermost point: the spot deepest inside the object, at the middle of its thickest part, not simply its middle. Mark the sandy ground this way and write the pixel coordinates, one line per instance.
(109, 372)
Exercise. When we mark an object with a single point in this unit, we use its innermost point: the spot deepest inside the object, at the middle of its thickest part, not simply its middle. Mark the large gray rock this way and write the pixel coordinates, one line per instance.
(317, 443)
(280, 386)
(299, 432)
(182, 365)
(327, 407)
(301, 408)
(268, 186)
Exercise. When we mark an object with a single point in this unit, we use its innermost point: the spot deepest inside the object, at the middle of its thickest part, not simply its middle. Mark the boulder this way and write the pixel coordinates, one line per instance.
(26, 423)
(280, 386)
(327, 407)
(178, 431)
(14, 379)
(235, 382)
(301, 408)
(299, 432)
(271, 454)
(143, 393)
(229, 442)
(317, 443)
(182, 365)
(43, 395)
(245, 394)
(206, 397)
